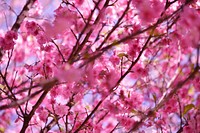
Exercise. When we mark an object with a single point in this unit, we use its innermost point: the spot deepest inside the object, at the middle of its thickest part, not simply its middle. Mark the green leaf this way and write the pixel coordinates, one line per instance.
(122, 55)
(2, 130)
(86, 55)
(154, 97)
(133, 111)
(2, 87)
(87, 107)
(188, 108)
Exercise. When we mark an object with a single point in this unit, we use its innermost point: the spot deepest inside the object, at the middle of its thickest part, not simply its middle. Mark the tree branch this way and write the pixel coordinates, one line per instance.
(165, 99)
(22, 15)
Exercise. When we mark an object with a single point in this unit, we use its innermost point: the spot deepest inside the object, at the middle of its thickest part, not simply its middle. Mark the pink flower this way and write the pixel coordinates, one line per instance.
(139, 72)
(19, 55)
(41, 38)
(32, 28)
(55, 92)
(197, 84)
(111, 107)
(61, 109)
(126, 122)
(43, 114)
(190, 17)
(79, 2)
(115, 60)
(7, 42)
(187, 129)
(110, 79)
(134, 48)
(149, 11)
(137, 99)
(64, 19)
(171, 106)
(69, 74)
(2, 42)
(191, 1)
(11, 35)
(79, 25)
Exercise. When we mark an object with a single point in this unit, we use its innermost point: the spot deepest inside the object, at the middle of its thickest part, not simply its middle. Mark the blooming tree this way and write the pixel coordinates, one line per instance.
(100, 66)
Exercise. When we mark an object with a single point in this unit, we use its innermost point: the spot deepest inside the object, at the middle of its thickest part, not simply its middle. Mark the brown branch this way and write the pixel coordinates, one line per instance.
(27, 117)
(49, 126)
(88, 117)
(70, 59)
(22, 15)
(8, 63)
(20, 91)
(59, 51)
(19, 102)
(115, 43)
(118, 82)
(165, 99)
(116, 25)
(13, 98)
(114, 128)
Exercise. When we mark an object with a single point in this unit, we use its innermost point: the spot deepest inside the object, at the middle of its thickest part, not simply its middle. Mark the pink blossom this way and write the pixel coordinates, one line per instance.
(112, 107)
(69, 74)
(139, 72)
(149, 11)
(32, 28)
(11, 35)
(126, 122)
(41, 38)
(197, 84)
(79, 2)
(79, 25)
(64, 19)
(135, 100)
(105, 78)
(115, 60)
(134, 48)
(171, 106)
(110, 78)
(187, 129)
(7, 42)
(61, 109)
(20, 55)
(191, 1)
(43, 114)
(2, 41)
(55, 92)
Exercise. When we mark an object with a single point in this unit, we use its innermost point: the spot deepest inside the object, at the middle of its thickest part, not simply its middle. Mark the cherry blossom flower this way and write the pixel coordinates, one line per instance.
(68, 74)
(7, 42)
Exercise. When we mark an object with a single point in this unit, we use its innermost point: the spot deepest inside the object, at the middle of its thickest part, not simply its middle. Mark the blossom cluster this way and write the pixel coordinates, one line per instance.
(100, 66)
